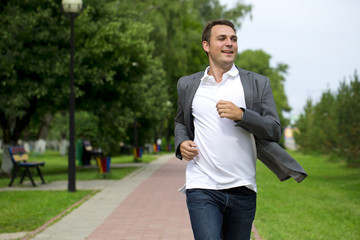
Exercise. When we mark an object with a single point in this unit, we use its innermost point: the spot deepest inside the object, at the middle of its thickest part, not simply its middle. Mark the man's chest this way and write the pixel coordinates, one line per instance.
(208, 94)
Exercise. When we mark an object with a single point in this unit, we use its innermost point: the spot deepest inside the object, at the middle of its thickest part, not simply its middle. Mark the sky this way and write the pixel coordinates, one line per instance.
(318, 39)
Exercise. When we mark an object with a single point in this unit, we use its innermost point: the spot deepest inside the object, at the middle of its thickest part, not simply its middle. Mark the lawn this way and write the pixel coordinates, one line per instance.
(325, 205)
(28, 210)
(56, 168)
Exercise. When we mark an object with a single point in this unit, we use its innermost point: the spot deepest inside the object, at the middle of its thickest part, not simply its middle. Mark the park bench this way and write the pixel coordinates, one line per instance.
(20, 158)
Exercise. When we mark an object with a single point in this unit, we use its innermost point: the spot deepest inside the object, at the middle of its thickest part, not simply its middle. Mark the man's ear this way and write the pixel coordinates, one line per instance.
(206, 46)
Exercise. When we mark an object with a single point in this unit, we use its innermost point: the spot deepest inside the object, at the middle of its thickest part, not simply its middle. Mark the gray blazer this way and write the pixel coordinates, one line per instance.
(260, 118)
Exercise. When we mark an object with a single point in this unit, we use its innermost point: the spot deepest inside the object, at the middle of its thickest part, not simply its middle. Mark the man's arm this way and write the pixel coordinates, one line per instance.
(264, 124)
(184, 146)
(180, 132)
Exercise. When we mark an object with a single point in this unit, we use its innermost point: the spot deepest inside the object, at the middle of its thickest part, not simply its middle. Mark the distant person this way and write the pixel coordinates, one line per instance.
(40, 146)
(226, 118)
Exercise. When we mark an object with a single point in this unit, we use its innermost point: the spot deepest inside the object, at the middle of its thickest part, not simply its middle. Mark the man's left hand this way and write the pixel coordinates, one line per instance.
(227, 109)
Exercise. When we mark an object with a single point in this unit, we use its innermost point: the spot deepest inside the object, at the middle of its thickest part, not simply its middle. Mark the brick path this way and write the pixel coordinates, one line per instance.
(154, 210)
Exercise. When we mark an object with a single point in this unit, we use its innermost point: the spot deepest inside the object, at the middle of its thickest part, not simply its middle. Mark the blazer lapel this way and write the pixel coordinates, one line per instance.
(192, 88)
(247, 86)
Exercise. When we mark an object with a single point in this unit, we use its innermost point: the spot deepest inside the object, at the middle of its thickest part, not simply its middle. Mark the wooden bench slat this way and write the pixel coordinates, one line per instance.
(20, 158)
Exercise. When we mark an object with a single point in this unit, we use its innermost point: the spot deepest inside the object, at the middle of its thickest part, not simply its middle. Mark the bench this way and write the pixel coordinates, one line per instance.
(20, 158)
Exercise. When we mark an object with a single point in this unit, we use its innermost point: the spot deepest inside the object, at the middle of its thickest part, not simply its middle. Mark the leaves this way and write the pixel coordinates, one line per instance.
(332, 126)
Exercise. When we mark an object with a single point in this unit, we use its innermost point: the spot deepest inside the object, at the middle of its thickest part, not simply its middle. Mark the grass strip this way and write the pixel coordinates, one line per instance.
(59, 216)
(24, 211)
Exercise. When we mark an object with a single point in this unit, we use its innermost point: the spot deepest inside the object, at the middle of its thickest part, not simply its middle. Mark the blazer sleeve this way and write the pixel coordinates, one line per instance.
(180, 128)
(279, 161)
(262, 118)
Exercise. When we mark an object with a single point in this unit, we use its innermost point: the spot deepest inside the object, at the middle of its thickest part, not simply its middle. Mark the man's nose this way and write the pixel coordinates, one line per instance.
(229, 42)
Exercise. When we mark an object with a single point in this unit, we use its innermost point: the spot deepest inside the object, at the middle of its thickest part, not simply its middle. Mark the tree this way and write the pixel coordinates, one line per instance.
(30, 69)
(325, 128)
(305, 133)
(348, 98)
(113, 55)
(332, 126)
(318, 128)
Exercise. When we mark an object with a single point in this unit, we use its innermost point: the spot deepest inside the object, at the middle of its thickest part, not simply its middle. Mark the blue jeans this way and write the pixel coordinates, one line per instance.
(221, 214)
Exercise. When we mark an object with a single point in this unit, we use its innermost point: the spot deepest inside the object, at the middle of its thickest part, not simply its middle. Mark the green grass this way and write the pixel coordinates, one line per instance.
(325, 205)
(56, 168)
(130, 159)
(28, 210)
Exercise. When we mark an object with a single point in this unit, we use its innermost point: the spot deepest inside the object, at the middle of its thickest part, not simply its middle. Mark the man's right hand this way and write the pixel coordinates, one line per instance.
(188, 150)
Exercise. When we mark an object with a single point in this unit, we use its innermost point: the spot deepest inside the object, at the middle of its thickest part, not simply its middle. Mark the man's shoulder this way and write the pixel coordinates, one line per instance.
(192, 76)
(189, 78)
(252, 75)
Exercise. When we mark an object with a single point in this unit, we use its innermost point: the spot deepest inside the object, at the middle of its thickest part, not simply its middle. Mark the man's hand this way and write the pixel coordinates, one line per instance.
(227, 109)
(188, 150)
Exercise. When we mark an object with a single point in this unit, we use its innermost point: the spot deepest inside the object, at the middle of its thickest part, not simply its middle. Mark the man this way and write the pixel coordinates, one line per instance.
(226, 118)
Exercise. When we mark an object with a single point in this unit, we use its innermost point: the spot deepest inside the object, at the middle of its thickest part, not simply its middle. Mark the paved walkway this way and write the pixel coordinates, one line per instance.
(145, 205)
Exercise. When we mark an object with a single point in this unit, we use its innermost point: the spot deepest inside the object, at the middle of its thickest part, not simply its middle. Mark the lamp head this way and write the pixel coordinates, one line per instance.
(72, 6)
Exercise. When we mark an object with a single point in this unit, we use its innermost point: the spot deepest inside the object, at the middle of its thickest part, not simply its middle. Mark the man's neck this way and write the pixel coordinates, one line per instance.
(218, 72)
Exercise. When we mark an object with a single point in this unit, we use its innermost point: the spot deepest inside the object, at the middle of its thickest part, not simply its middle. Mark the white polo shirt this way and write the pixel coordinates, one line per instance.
(227, 154)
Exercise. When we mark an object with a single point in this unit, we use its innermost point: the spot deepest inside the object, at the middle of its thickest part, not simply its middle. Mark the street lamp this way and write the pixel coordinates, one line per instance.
(72, 9)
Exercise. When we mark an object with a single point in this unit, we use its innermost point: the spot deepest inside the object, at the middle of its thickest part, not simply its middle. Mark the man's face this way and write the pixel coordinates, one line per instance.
(222, 49)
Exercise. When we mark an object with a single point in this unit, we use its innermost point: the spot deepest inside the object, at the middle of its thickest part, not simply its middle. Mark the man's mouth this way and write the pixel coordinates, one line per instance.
(227, 51)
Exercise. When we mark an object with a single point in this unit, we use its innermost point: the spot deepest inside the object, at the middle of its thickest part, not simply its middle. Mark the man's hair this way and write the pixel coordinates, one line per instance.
(207, 30)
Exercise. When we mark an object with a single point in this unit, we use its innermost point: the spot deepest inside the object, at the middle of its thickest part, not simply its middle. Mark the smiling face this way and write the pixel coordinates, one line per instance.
(222, 46)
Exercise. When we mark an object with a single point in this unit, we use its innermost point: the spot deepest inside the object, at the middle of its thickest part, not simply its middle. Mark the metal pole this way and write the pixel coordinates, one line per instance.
(71, 166)
(135, 140)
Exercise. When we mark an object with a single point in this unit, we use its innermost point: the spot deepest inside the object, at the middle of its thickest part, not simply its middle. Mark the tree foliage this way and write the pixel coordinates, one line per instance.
(114, 63)
(332, 126)
(31, 69)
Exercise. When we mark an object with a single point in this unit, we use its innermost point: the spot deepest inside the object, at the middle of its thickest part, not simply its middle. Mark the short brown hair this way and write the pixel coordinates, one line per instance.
(207, 30)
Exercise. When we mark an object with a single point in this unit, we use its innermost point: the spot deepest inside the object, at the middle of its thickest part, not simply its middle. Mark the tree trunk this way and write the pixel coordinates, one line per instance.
(6, 163)
(44, 129)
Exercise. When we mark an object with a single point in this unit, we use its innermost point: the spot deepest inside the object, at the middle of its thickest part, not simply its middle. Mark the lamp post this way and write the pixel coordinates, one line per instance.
(72, 9)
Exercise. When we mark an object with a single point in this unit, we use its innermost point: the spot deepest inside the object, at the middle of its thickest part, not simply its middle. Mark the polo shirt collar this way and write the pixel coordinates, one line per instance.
(233, 72)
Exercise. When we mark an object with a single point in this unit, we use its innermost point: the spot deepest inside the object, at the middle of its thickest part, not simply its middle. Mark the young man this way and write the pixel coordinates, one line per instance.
(226, 118)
